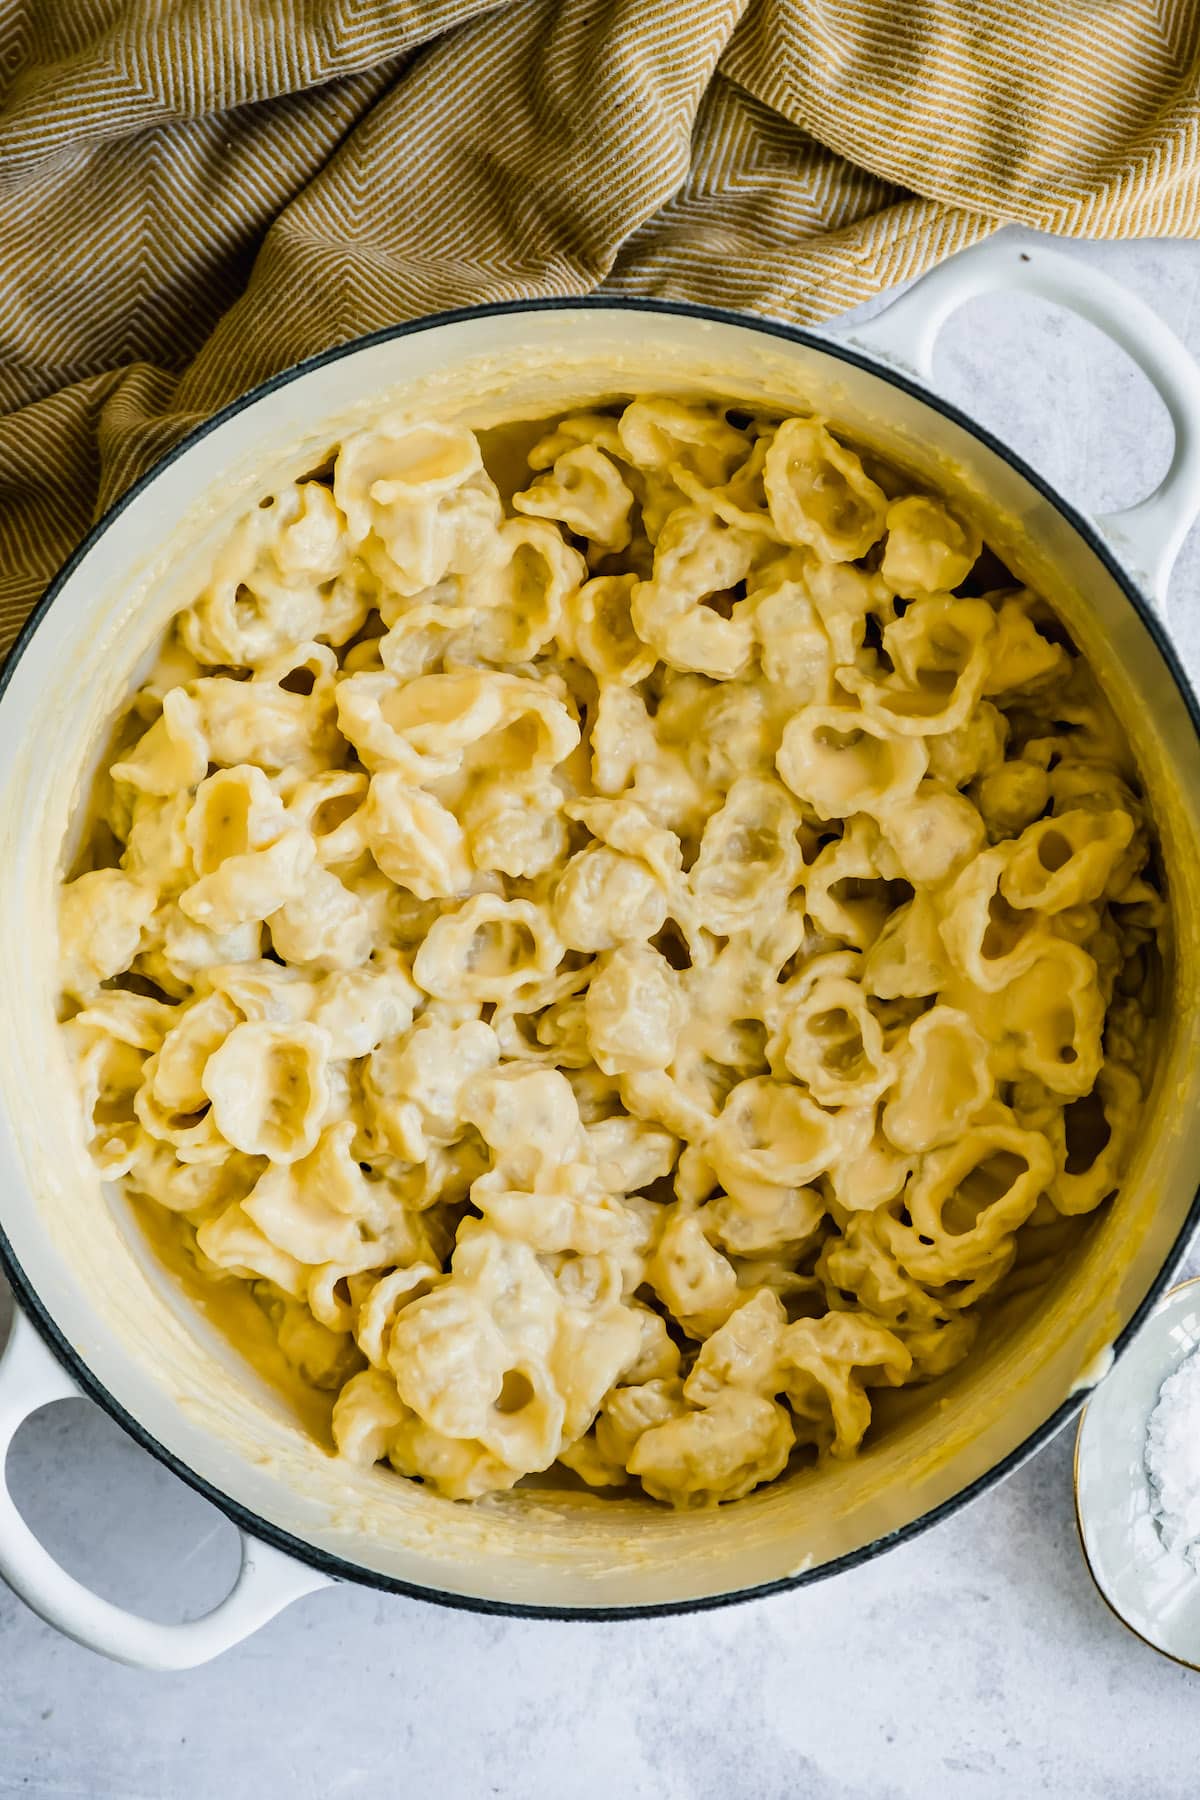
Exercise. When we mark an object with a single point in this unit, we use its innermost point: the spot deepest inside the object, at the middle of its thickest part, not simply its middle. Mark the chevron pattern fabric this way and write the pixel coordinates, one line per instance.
(195, 193)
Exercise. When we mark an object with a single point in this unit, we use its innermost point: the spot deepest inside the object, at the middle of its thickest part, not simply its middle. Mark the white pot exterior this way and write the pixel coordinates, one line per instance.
(97, 1285)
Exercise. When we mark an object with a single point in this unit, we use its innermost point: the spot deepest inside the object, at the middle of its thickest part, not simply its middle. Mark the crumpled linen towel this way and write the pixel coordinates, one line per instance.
(195, 193)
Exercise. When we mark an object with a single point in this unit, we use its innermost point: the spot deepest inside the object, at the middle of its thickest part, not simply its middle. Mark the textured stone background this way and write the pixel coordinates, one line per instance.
(976, 1662)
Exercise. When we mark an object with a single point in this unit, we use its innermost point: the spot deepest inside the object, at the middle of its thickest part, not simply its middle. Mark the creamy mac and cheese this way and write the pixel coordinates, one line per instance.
(621, 973)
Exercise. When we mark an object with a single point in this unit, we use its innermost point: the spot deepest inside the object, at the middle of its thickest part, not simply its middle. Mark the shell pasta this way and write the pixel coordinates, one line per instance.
(621, 971)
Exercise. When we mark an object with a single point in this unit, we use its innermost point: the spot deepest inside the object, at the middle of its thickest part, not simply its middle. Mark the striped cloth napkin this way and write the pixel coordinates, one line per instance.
(194, 193)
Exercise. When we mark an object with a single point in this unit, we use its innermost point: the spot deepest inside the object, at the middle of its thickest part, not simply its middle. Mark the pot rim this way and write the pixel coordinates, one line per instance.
(338, 1568)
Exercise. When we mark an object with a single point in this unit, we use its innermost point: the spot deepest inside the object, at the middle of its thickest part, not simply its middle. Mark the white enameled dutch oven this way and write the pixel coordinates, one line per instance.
(97, 1315)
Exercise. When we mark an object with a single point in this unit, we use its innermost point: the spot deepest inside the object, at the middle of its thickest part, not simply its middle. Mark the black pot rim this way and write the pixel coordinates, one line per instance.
(337, 1568)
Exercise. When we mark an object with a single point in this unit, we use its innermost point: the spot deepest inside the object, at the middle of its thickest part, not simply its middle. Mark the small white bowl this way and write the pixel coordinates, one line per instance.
(1150, 1589)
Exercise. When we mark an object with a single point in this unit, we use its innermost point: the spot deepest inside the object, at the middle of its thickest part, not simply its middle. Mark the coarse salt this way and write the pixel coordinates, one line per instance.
(1172, 1458)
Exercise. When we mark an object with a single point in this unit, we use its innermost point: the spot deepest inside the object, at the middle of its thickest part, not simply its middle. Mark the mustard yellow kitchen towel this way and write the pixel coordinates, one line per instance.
(194, 193)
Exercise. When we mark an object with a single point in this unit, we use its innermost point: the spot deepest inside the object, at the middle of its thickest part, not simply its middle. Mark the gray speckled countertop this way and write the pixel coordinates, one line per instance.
(976, 1662)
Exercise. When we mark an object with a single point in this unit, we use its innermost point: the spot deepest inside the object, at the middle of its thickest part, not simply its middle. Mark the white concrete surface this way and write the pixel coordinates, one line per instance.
(976, 1662)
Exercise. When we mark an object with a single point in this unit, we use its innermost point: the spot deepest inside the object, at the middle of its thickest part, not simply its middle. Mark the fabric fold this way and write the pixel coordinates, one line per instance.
(193, 197)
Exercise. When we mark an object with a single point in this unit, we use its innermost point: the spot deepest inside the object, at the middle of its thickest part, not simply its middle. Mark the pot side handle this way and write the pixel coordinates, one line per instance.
(1147, 536)
(31, 1377)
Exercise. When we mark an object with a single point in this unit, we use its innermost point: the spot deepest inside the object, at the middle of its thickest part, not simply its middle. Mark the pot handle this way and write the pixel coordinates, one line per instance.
(31, 1377)
(1147, 536)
